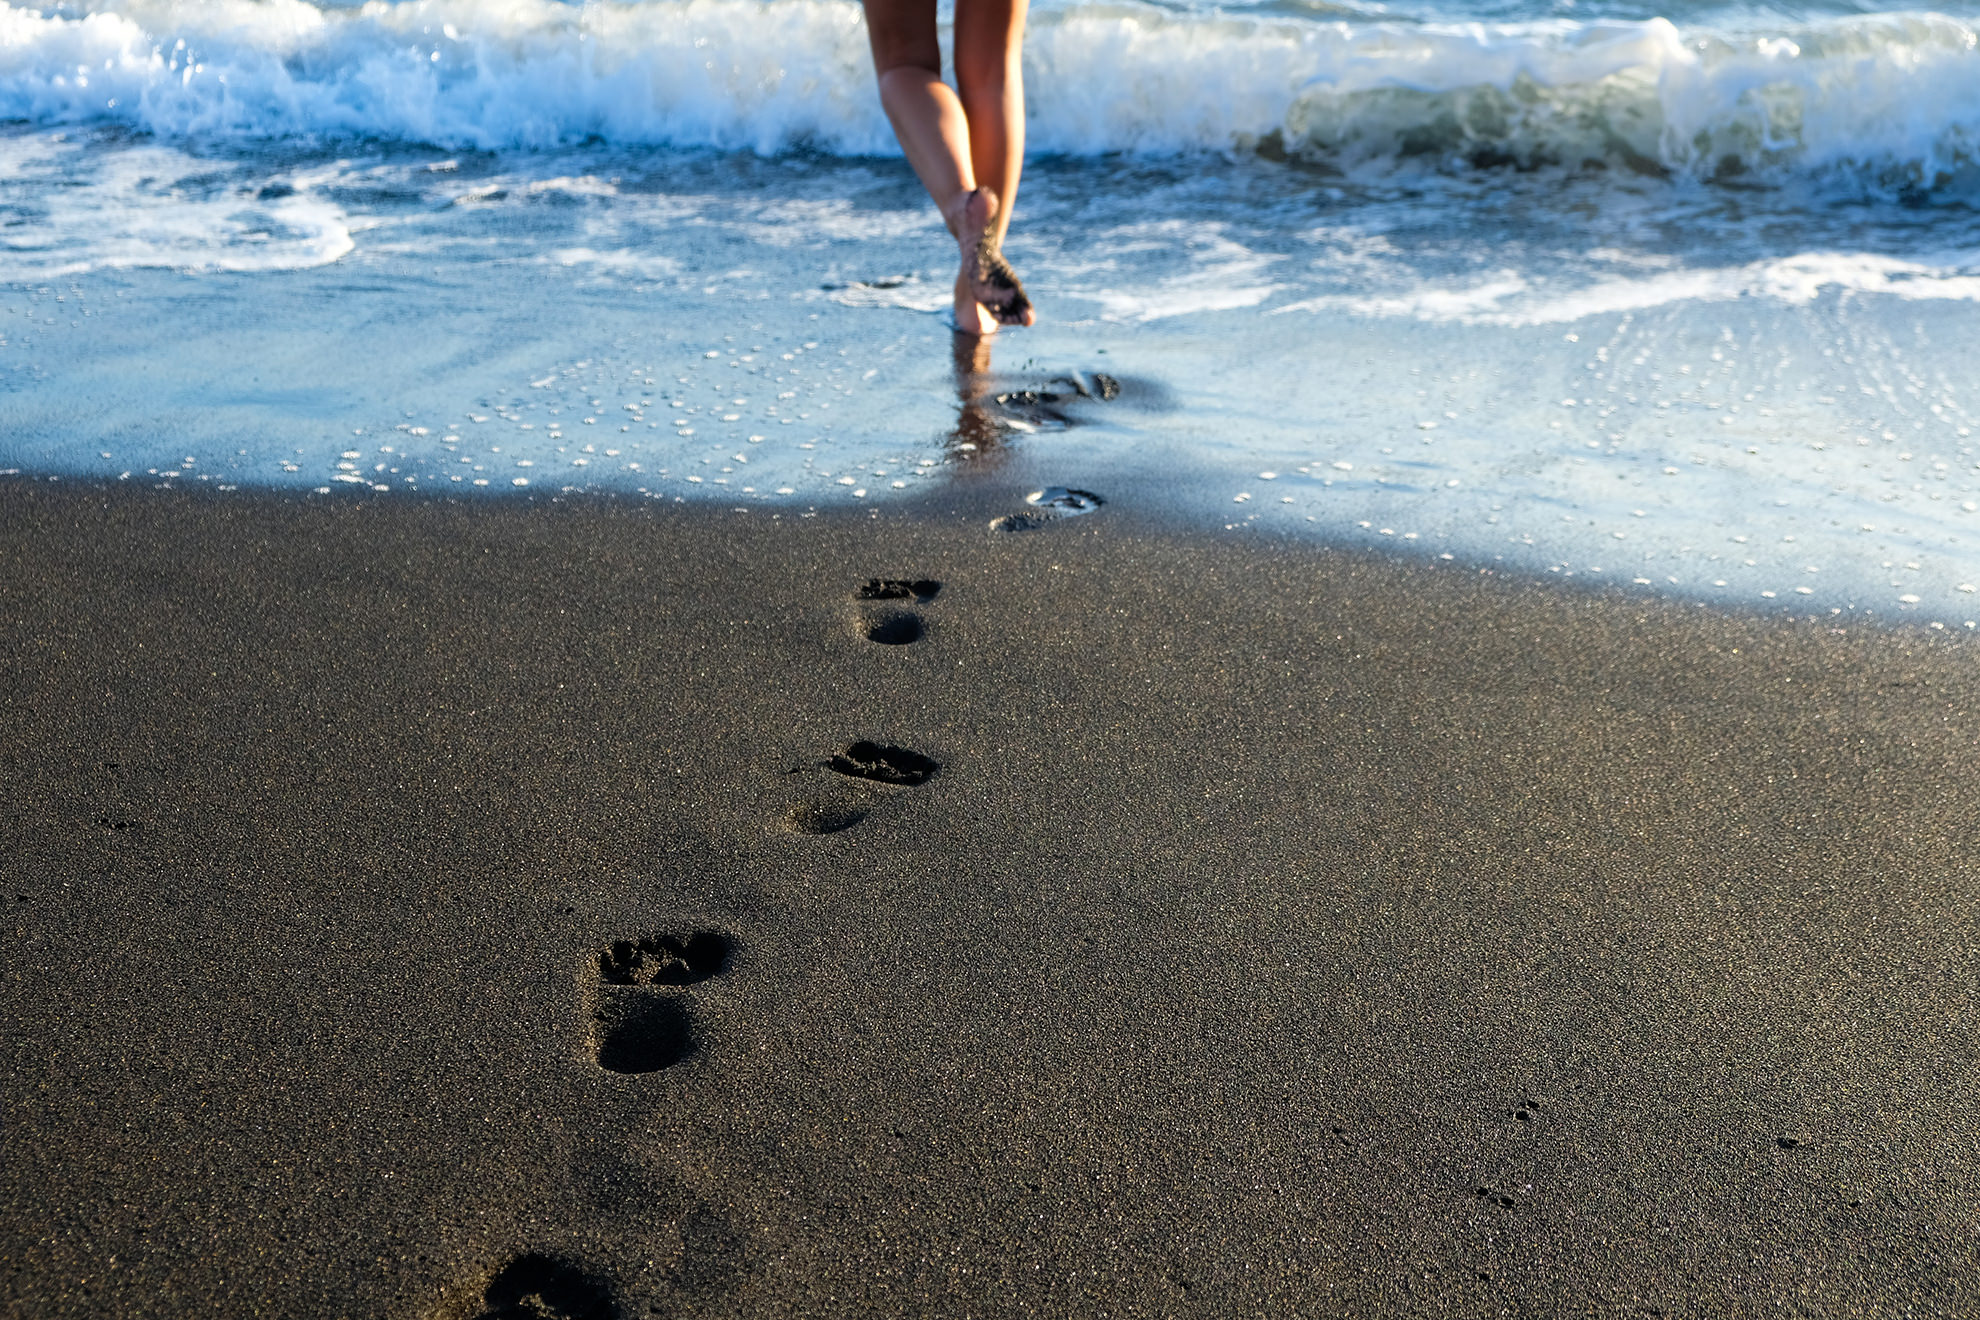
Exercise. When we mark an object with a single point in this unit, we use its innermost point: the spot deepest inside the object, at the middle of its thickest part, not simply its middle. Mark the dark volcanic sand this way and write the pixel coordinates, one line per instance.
(1278, 933)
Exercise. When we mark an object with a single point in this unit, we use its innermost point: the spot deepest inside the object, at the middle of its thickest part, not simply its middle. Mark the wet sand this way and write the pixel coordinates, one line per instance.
(413, 909)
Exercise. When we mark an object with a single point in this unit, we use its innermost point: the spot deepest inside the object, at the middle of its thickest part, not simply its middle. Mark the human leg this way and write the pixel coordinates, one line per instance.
(936, 134)
(927, 116)
(990, 83)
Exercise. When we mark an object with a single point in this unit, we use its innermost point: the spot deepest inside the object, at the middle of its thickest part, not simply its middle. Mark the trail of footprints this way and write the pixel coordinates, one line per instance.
(638, 999)
(638, 993)
(884, 612)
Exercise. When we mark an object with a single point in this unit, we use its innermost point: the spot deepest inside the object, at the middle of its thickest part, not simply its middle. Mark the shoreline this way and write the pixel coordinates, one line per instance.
(1277, 927)
(1145, 504)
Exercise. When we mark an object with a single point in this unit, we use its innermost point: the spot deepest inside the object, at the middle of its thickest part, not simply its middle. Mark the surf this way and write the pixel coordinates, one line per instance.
(1885, 102)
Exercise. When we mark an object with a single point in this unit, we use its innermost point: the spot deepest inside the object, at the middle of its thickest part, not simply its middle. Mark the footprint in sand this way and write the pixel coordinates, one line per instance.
(884, 613)
(536, 1286)
(1049, 505)
(920, 590)
(883, 765)
(868, 763)
(1044, 408)
(640, 1022)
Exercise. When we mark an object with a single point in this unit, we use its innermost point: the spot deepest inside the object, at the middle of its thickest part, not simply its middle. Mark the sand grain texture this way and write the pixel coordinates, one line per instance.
(1283, 933)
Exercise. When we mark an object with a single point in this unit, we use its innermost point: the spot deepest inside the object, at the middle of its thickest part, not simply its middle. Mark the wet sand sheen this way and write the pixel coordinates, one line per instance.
(417, 909)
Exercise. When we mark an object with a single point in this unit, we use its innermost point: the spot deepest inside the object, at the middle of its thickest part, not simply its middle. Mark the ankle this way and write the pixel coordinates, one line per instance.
(955, 212)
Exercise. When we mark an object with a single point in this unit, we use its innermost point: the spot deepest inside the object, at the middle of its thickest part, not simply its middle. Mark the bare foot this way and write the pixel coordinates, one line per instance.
(987, 290)
(972, 317)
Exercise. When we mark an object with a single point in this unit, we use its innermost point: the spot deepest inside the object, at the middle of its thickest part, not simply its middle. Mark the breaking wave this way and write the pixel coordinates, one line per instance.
(1889, 101)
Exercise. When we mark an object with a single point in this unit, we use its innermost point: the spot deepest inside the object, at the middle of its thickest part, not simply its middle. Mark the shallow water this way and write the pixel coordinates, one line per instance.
(1682, 304)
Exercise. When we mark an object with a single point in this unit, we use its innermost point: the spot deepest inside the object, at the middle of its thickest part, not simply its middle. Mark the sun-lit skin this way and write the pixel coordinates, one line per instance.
(966, 143)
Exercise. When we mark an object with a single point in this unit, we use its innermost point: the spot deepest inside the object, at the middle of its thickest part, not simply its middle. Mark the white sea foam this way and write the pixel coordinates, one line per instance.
(473, 73)
(1891, 99)
(1514, 298)
(1220, 274)
(149, 205)
(909, 293)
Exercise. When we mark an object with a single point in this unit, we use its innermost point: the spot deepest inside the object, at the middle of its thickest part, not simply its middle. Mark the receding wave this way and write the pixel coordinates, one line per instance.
(1890, 101)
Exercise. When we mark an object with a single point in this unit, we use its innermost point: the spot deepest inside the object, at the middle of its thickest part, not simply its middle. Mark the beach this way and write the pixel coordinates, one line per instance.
(577, 747)
(561, 906)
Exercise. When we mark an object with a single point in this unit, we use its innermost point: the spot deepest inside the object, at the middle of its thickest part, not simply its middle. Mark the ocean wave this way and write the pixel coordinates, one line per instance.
(1891, 101)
